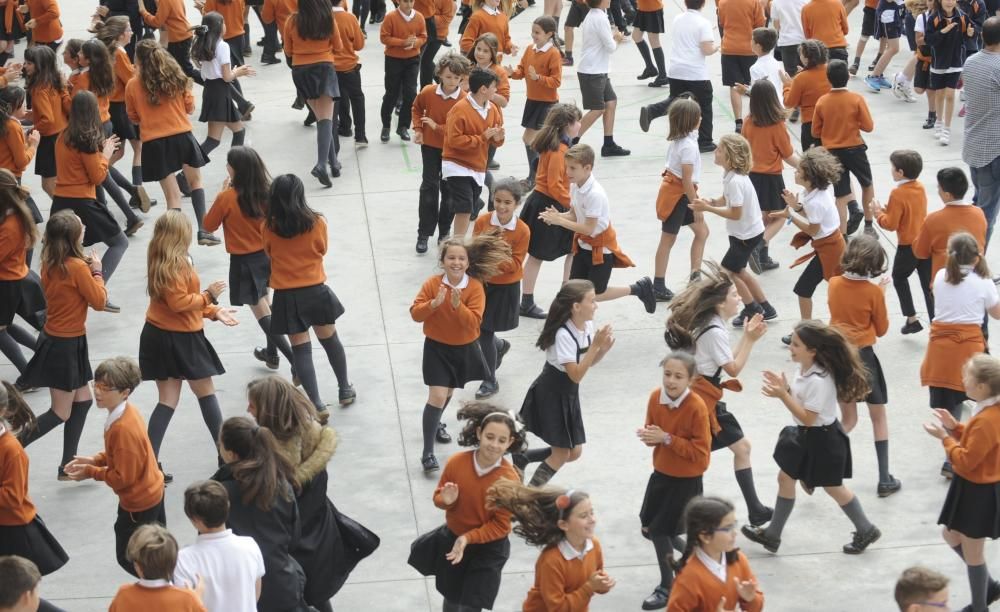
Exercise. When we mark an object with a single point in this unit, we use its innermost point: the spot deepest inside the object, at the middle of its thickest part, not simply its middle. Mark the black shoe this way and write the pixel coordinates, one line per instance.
(657, 600)
(271, 361)
(708, 147)
(767, 264)
(759, 518)
(646, 294)
(134, 227)
(947, 471)
(929, 124)
(421, 244)
(334, 171)
(345, 130)
(269, 59)
(167, 478)
(360, 142)
(794, 118)
(404, 135)
(644, 118)
(492, 165)
(111, 307)
(659, 82)
(992, 591)
(648, 73)
(320, 173)
(854, 219)
(614, 150)
(787, 340)
(309, 120)
(768, 311)
(759, 535)
(487, 389)
(533, 312)
(208, 239)
(247, 113)
(664, 295)
(347, 395)
(442, 435)
(861, 541)
(749, 310)
(429, 463)
(23, 387)
(911, 327)
(853, 68)
(260, 42)
(384, 136)
(299, 104)
(885, 489)
(501, 351)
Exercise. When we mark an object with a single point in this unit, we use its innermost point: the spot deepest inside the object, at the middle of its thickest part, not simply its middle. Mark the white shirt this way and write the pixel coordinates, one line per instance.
(766, 68)
(490, 10)
(213, 69)
(684, 151)
(712, 349)
(739, 193)
(598, 43)
(569, 553)
(920, 23)
(591, 202)
(449, 96)
(788, 14)
(718, 569)
(230, 565)
(563, 350)
(409, 18)
(462, 284)
(966, 302)
(669, 402)
(114, 415)
(543, 49)
(817, 392)
(688, 31)
(820, 206)
(986, 403)
(159, 583)
(510, 226)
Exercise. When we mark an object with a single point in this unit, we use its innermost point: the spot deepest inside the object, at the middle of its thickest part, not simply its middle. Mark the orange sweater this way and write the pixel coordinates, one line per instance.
(47, 112)
(82, 83)
(297, 262)
(131, 597)
(550, 177)
(513, 270)
(13, 249)
(447, 324)
(168, 118)
(124, 71)
(68, 294)
(278, 12)
(305, 52)
(974, 447)
(78, 173)
(429, 104)
(232, 15)
(16, 508)
(352, 40)
(650, 6)
(932, 239)
(503, 81)
(128, 464)
(857, 308)
(690, 446)
(826, 21)
(482, 22)
(15, 154)
(769, 146)
(548, 65)
(443, 12)
(243, 234)
(468, 516)
(45, 14)
(395, 30)
(182, 307)
(464, 142)
(905, 212)
(806, 89)
(697, 589)
(737, 19)
(172, 15)
(839, 118)
(561, 585)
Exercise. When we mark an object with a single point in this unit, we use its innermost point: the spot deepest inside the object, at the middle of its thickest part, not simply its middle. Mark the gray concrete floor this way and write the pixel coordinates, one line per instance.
(376, 477)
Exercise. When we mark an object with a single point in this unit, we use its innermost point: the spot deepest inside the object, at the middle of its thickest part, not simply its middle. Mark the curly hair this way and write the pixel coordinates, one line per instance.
(737, 152)
(487, 253)
(480, 414)
(835, 354)
(535, 511)
(820, 168)
(814, 52)
(160, 75)
(693, 308)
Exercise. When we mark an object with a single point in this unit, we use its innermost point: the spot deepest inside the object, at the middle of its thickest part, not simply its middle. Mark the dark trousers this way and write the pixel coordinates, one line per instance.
(615, 15)
(126, 525)
(181, 51)
(352, 96)
(361, 9)
(270, 38)
(433, 216)
(903, 266)
(702, 92)
(400, 78)
(427, 54)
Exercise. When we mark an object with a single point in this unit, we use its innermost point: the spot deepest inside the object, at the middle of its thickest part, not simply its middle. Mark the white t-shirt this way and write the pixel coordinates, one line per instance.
(817, 392)
(564, 348)
(966, 302)
(591, 202)
(820, 206)
(739, 193)
(712, 349)
(788, 14)
(919, 23)
(684, 151)
(687, 62)
(598, 43)
(766, 68)
(230, 565)
(213, 69)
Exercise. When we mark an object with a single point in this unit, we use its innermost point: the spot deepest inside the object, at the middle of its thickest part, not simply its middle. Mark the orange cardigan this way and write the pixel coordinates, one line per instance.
(77, 173)
(513, 270)
(429, 104)
(16, 508)
(305, 52)
(826, 21)
(974, 447)
(857, 308)
(737, 19)
(550, 177)
(167, 118)
(47, 109)
(468, 516)
(839, 118)
(183, 306)
(561, 585)
(81, 83)
(464, 142)
(232, 15)
(352, 40)
(482, 22)
(68, 295)
(13, 249)
(172, 15)
(395, 30)
(15, 154)
(128, 464)
(697, 589)
(297, 262)
(131, 597)
(769, 146)
(905, 211)
(937, 228)
(690, 447)
(124, 71)
(548, 66)
(243, 235)
(48, 27)
(447, 324)
(806, 88)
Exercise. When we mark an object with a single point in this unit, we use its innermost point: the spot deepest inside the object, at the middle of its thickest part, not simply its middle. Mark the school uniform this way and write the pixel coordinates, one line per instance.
(348, 68)
(49, 118)
(121, 125)
(922, 73)
(593, 67)
(561, 575)
(770, 145)
(273, 15)
(465, 152)
(503, 291)
(76, 190)
(487, 19)
(649, 16)
(549, 242)
(543, 93)
(737, 19)
(165, 130)
(857, 308)
(789, 15)
(972, 505)
(249, 265)
(712, 351)
(948, 50)
(747, 232)
(217, 103)
(819, 207)
(768, 68)
(806, 88)
(13, 23)
(826, 21)
(475, 581)
(677, 466)
(838, 120)
(703, 582)
(13, 269)
(904, 214)
(48, 25)
(434, 103)
(932, 239)
(82, 83)
(595, 255)
(673, 207)
(313, 71)
(432, 11)
(230, 565)
(15, 154)
(232, 16)
(172, 16)
(452, 356)
(402, 63)
(155, 595)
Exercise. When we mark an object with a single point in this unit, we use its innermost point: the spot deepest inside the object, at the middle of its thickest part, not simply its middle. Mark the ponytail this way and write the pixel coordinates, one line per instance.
(262, 471)
(963, 252)
(703, 516)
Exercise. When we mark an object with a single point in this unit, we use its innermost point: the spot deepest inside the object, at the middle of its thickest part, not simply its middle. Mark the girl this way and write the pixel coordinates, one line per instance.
(808, 86)
(677, 191)
(43, 23)
(570, 568)
(551, 408)
(451, 307)
(311, 40)
(239, 208)
(485, 54)
(697, 325)
(487, 17)
(258, 479)
(17, 149)
(159, 101)
(468, 552)
(22, 531)
(963, 295)
(710, 545)
(677, 429)
(857, 309)
(816, 451)
(72, 282)
(503, 290)
(649, 20)
(49, 98)
(295, 238)
(764, 128)
(349, 74)
(173, 347)
(946, 29)
(919, 9)
(551, 190)
(11, 31)
(970, 508)
(71, 57)
(18, 235)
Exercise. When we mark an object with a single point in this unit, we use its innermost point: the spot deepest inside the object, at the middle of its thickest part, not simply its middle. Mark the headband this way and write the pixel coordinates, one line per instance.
(563, 502)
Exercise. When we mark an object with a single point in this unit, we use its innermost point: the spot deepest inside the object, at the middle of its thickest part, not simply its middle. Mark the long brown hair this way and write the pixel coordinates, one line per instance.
(102, 77)
(572, 292)
(167, 258)
(865, 257)
(536, 512)
(560, 116)
(62, 241)
(487, 253)
(838, 357)
(84, 132)
(159, 73)
(703, 516)
(281, 407)
(695, 306)
(963, 250)
(111, 30)
(765, 106)
(13, 201)
(262, 471)
(14, 410)
(491, 41)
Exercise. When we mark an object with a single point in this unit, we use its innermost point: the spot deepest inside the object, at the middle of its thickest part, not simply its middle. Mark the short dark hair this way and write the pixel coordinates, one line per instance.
(17, 577)
(766, 39)
(907, 161)
(991, 31)
(694, 5)
(916, 584)
(837, 74)
(953, 180)
(207, 501)
(481, 77)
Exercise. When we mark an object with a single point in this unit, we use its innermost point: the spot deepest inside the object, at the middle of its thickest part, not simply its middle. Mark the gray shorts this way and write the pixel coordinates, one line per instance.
(596, 90)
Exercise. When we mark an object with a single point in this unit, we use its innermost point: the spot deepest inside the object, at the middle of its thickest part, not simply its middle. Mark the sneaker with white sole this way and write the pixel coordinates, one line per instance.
(938, 126)
(908, 95)
(883, 82)
(898, 87)
(945, 137)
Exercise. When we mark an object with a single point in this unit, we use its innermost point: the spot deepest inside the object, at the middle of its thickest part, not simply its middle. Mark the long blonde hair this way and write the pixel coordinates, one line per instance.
(167, 257)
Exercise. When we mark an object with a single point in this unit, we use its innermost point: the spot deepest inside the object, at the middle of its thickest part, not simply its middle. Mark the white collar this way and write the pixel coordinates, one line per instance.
(452, 96)
(114, 415)
(587, 185)
(218, 535)
(159, 583)
(3, 429)
(482, 110)
(569, 553)
(486, 470)
(338, 9)
(718, 569)
(958, 203)
(673, 404)
(491, 10)
(407, 18)
(903, 182)
(462, 284)
(815, 368)
(986, 403)
(83, 69)
(844, 88)
(695, 11)
(510, 226)
(853, 276)
(728, 176)
(543, 49)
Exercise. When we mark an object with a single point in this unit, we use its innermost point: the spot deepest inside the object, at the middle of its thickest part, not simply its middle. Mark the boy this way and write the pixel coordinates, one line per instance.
(766, 68)
(577, 13)
(786, 18)
(599, 98)
(868, 29)
(472, 125)
(891, 16)
(19, 580)
(826, 21)
(737, 19)
(231, 565)
(904, 214)
(945, 31)
(430, 114)
(153, 551)
(956, 216)
(921, 590)
(345, 62)
(127, 463)
(838, 120)
(595, 245)
(403, 33)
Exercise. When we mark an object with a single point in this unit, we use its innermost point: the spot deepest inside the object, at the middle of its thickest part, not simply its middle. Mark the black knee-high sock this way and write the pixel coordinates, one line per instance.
(489, 348)
(664, 553)
(121, 200)
(304, 369)
(239, 138)
(210, 145)
(532, 161)
(45, 423)
(113, 256)
(198, 203)
(22, 336)
(12, 351)
(137, 175)
(543, 474)
(744, 478)
(882, 454)
(335, 145)
(274, 341)
(661, 65)
(73, 430)
(431, 418)
(157, 428)
(121, 181)
(979, 581)
(782, 510)
(338, 358)
(212, 415)
(643, 48)
(324, 140)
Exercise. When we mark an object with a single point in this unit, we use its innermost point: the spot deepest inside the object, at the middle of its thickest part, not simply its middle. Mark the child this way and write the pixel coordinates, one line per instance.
(295, 238)
(403, 33)
(649, 19)
(970, 506)
(808, 86)
(171, 15)
(919, 588)
(240, 209)
(786, 18)
(551, 190)
(945, 32)
(434, 12)
(152, 550)
(551, 408)
(44, 24)
(816, 451)
(273, 16)
(570, 568)
(826, 22)
(920, 9)
(17, 149)
(599, 97)
(468, 552)
(49, 98)
(904, 214)
(677, 429)
(737, 20)
(739, 207)
(697, 325)
(230, 566)
(589, 218)
(345, 61)
(890, 16)
(678, 190)
(956, 216)
(219, 71)
(868, 29)
(488, 16)
(485, 55)
(19, 589)
(857, 309)
(451, 307)
(430, 114)
(578, 10)
(711, 543)
(503, 291)
(18, 235)
(766, 67)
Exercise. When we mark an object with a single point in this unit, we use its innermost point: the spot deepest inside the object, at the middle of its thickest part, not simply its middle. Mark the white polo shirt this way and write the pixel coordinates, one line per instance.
(687, 62)
(712, 349)
(230, 565)
(788, 14)
(966, 302)
(563, 350)
(739, 193)
(683, 152)
(598, 43)
(591, 202)
(820, 206)
(817, 392)
(766, 68)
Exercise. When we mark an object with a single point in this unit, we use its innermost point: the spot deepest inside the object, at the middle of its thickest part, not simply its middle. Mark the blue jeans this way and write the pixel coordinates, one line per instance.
(987, 183)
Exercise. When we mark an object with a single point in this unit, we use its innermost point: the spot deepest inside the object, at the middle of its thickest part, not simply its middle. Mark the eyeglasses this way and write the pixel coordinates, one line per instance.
(728, 528)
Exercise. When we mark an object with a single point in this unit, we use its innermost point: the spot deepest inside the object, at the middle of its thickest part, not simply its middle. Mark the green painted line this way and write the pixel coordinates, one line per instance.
(406, 160)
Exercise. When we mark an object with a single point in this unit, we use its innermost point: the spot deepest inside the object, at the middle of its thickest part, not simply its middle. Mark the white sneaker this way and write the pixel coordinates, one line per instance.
(945, 137)
(938, 126)
(897, 87)
(908, 95)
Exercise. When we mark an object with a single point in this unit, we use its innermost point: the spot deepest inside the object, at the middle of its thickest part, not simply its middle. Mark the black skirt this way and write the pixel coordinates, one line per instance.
(447, 365)
(769, 188)
(98, 223)
(320, 544)
(23, 297)
(121, 125)
(503, 303)
(662, 512)
(316, 80)
(248, 278)
(45, 156)
(731, 431)
(59, 363)
(11, 300)
(876, 379)
(547, 242)
(33, 541)
(535, 112)
(972, 509)
(294, 311)
(649, 21)
(817, 456)
(217, 103)
(185, 355)
(475, 581)
(162, 157)
(551, 409)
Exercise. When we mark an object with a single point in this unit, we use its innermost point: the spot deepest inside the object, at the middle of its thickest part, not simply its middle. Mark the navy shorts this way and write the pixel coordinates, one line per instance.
(890, 23)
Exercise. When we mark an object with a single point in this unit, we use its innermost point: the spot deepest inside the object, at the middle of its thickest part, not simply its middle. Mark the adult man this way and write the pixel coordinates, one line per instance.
(981, 149)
